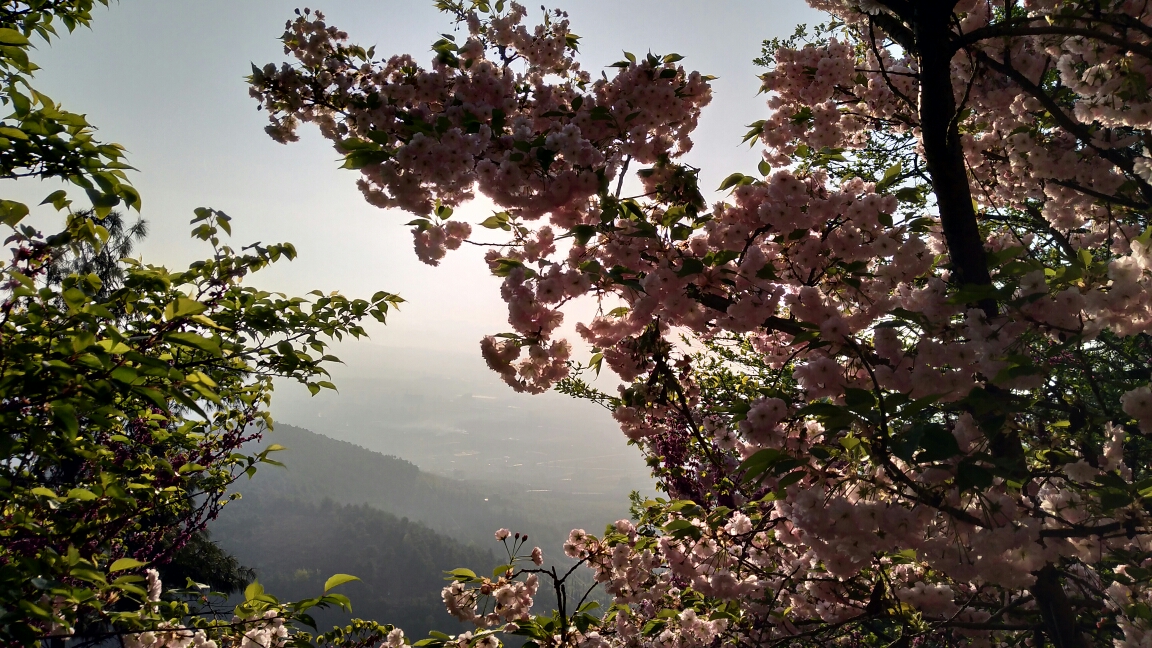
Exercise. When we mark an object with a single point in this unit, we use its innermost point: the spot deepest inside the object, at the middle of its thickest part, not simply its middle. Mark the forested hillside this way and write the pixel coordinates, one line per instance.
(318, 467)
(295, 545)
(339, 508)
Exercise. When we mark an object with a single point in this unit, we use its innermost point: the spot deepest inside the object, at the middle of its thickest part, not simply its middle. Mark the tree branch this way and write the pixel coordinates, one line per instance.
(1059, 618)
(943, 152)
(1002, 31)
(1080, 131)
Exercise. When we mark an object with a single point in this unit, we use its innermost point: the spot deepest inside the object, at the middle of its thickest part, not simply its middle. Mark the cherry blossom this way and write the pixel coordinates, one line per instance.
(894, 387)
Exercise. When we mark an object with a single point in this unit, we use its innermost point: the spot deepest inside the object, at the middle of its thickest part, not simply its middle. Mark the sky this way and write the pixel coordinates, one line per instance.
(165, 78)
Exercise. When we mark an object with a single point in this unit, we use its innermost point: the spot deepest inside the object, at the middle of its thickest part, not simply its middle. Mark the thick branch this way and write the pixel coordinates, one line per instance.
(1099, 195)
(1004, 31)
(720, 303)
(1075, 128)
(942, 149)
(1059, 619)
(896, 30)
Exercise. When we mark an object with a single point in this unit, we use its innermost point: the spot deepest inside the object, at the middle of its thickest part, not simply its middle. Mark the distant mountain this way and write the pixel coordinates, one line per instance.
(295, 546)
(450, 415)
(321, 468)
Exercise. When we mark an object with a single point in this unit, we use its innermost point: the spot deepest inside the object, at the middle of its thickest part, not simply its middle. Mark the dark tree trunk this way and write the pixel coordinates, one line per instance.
(928, 27)
(941, 136)
(1059, 618)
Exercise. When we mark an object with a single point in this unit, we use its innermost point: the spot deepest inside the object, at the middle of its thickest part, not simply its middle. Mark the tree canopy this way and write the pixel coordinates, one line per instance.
(128, 390)
(895, 384)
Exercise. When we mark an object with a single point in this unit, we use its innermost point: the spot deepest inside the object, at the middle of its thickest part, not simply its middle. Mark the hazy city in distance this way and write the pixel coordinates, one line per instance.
(450, 415)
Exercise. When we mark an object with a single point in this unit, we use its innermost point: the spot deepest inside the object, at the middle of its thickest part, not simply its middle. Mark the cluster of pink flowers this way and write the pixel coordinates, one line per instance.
(172, 636)
(434, 241)
(470, 120)
(265, 630)
(636, 577)
(501, 601)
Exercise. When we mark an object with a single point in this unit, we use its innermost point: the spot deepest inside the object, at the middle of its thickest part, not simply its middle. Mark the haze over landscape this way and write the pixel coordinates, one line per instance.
(423, 452)
(418, 389)
(838, 324)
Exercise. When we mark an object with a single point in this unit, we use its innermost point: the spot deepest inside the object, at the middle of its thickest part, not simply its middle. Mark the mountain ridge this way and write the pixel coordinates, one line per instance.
(318, 467)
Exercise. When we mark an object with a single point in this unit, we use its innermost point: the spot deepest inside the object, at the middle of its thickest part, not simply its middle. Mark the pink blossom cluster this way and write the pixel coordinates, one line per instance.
(473, 120)
(501, 601)
(636, 578)
(169, 636)
(1122, 597)
(265, 630)
(513, 601)
(434, 241)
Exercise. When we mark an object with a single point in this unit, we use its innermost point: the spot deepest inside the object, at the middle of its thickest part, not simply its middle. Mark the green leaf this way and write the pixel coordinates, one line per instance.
(1113, 498)
(908, 194)
(734, 180)
(601, 113)
(764, 168)
(496, 221)
(972, 293)
(12, 212)
(596, 362)
(759, 463)
(937, 443)
(505, 265)
(1085, 257)
(1000, 257)
(115, 348)
(583, 233)
(859, 400)
(81, 494)
(690, 266)
(74, 297)
(253, 591)
(767, 272)
(17, 134)
(919, 404)
(337, 580)
(183, 307)
(789, 479)
(682, 528)
(833, 417)
(9, 36)
(194, 341)
(802, 116)
(890, 176)
(755, 129)
(460, 573)
(969, 475)
(125, 563)
(353, 144)
(64, 414)
(361, 158)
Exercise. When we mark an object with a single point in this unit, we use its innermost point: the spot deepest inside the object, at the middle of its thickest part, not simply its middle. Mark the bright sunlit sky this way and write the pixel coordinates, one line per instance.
(165, 79)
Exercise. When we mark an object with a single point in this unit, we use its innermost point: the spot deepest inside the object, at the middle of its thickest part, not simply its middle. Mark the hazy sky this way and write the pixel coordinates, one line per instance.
(165, 79)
